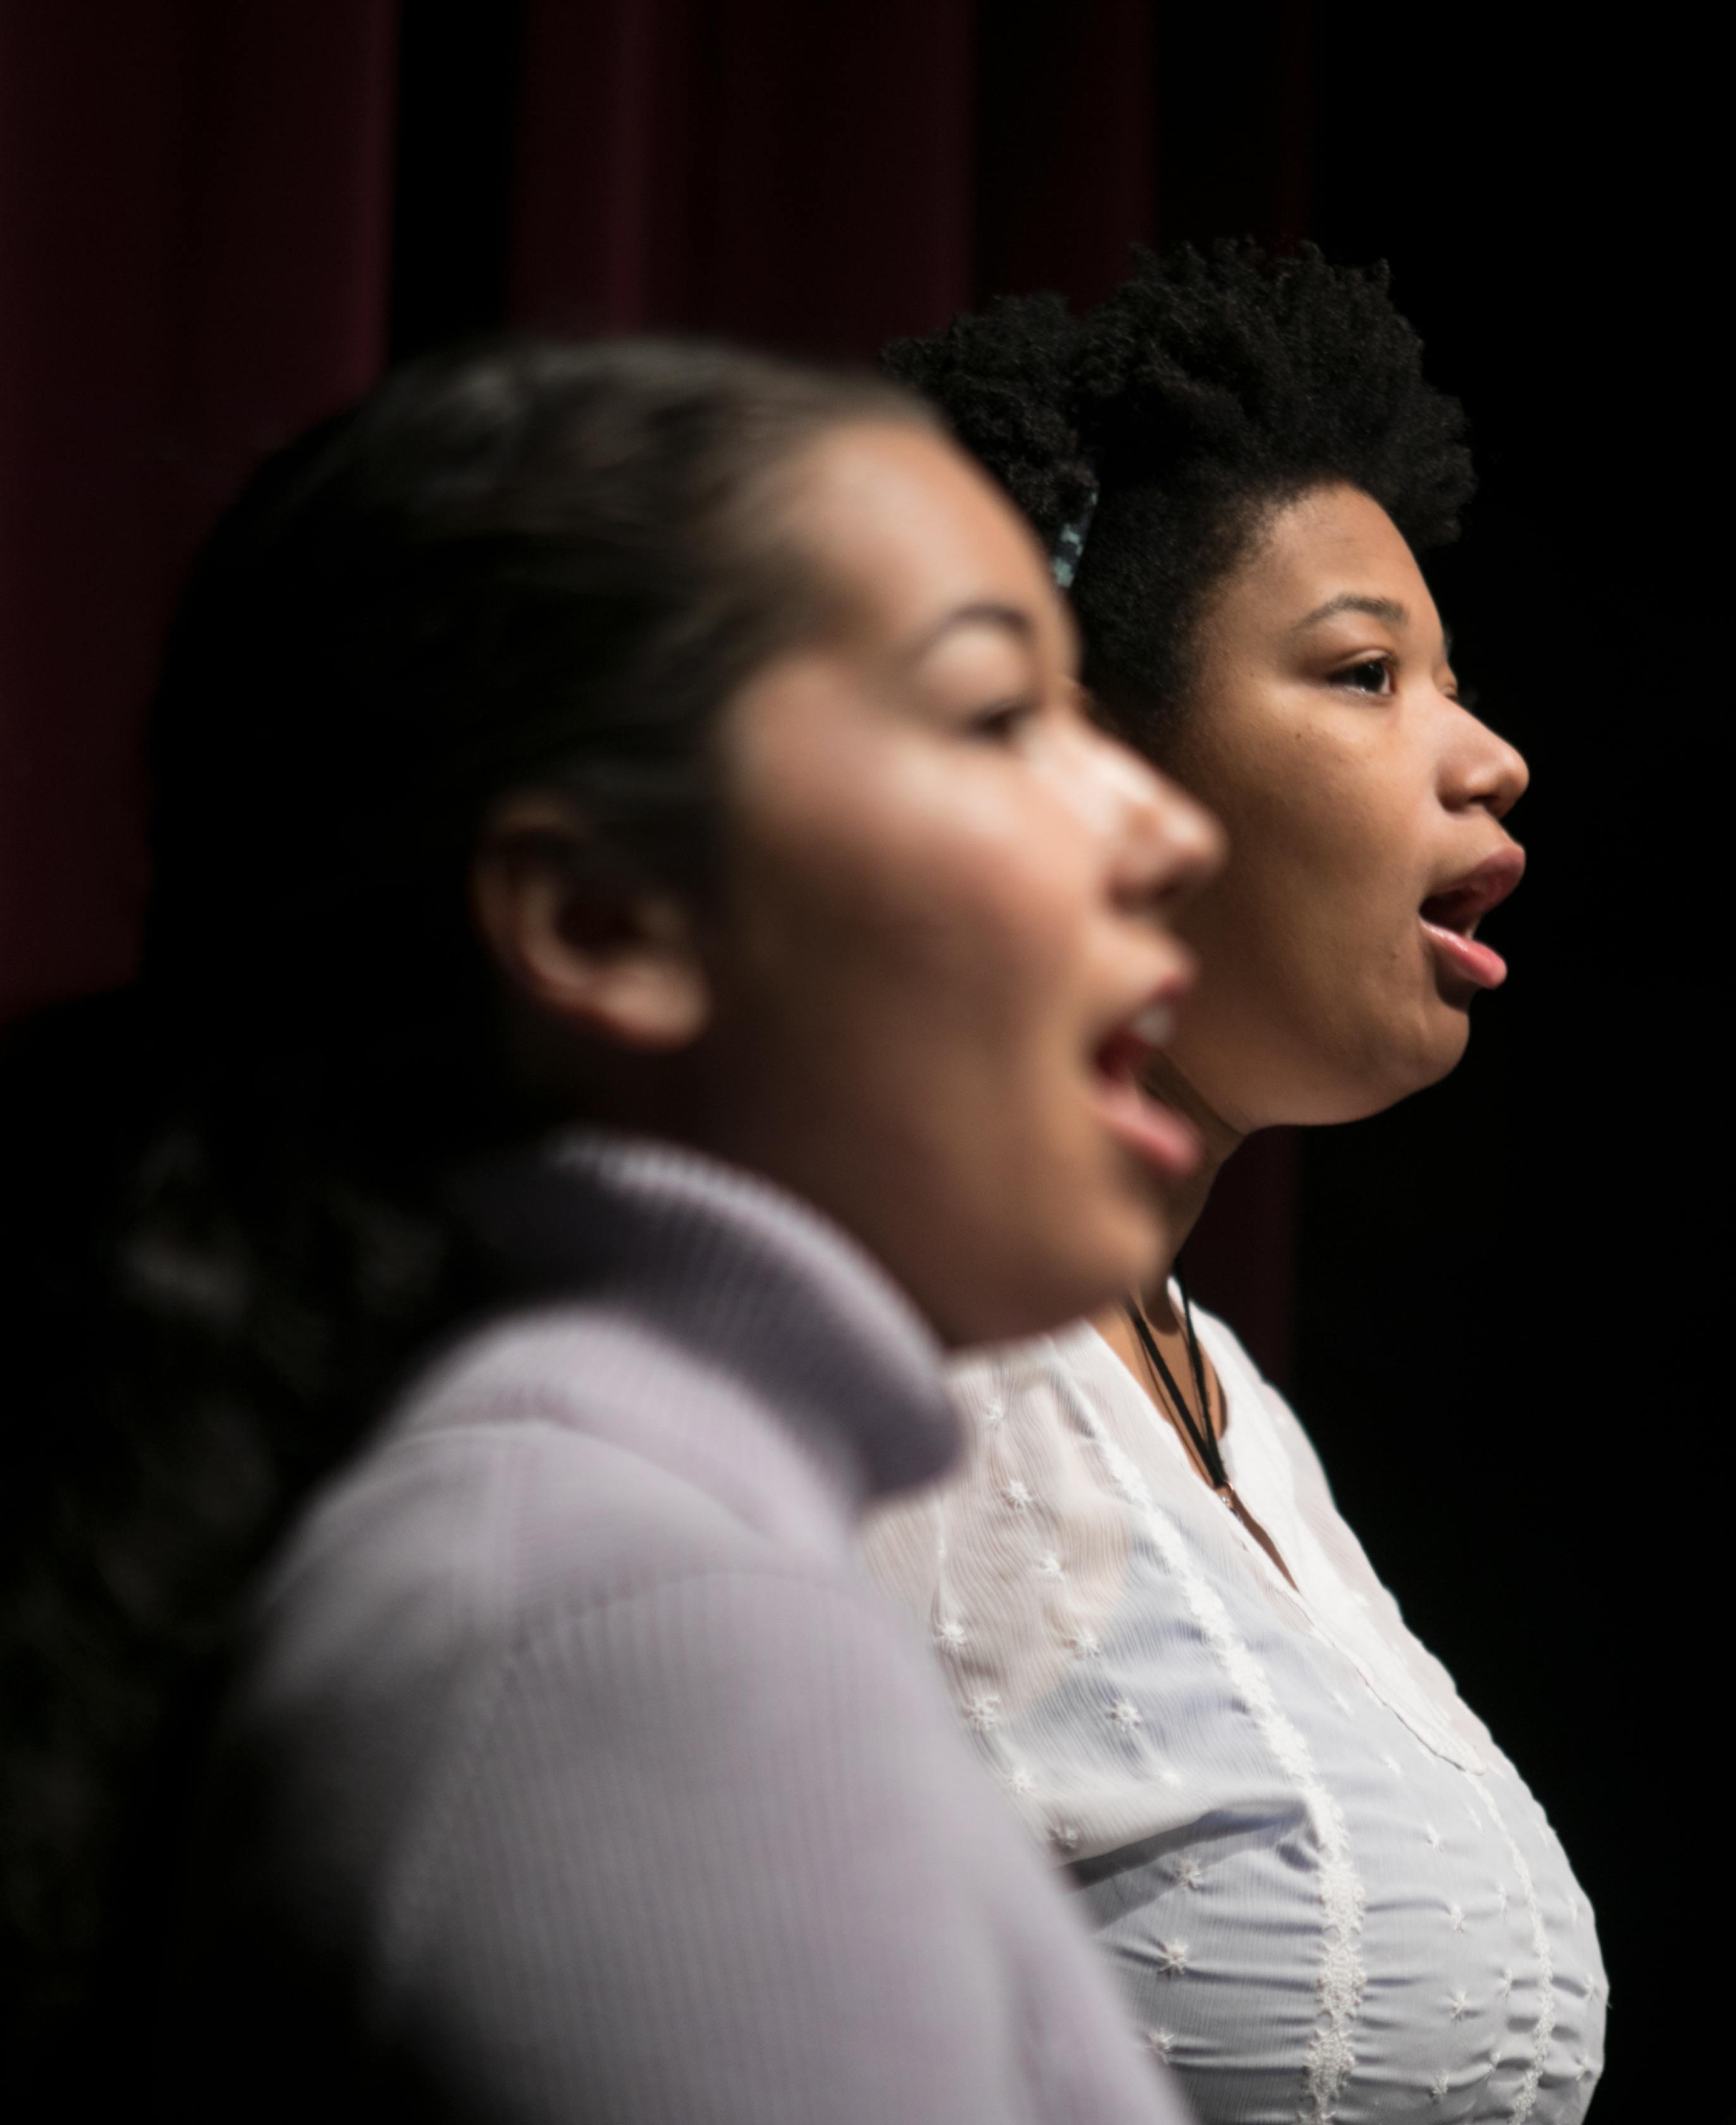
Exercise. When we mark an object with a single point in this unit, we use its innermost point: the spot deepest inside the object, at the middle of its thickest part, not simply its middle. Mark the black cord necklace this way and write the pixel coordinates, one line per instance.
(1199, 1430)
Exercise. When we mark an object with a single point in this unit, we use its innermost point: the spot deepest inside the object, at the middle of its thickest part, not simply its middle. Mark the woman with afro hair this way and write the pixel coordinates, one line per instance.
(1328, 1893)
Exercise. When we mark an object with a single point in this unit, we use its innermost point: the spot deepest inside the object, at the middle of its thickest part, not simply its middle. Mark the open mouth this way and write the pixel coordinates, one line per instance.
(1155, 1133)
(1450, 918)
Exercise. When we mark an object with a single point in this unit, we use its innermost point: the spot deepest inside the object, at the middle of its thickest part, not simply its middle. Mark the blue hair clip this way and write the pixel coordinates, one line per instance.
(1069, 548)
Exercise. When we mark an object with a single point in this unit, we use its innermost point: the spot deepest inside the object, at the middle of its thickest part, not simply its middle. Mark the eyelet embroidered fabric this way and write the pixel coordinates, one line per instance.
(1328, 1895)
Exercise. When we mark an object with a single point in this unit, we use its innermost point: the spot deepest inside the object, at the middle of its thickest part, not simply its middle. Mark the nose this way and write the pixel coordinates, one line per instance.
(1168, 845)
(1483, 770)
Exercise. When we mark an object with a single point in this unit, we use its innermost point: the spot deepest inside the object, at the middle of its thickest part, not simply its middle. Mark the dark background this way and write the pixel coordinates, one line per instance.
(217, 221)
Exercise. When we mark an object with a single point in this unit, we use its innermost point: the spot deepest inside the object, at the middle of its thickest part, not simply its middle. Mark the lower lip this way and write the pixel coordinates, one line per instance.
(1475, 963)
(1157, 1135)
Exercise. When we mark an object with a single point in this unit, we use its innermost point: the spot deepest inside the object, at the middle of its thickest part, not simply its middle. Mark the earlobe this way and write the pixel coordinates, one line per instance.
(585, 944)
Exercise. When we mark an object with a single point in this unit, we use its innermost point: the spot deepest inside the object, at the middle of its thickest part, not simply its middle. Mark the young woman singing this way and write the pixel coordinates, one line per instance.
(1328, 1893)
(645, 951)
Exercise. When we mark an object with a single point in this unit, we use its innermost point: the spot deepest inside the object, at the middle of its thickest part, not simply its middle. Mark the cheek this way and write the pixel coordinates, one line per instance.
(1324, 842)
(1315, 978)
(914, 919)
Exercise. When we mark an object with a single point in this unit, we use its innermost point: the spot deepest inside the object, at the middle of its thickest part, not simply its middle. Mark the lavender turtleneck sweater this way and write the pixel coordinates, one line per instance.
(572, 1772)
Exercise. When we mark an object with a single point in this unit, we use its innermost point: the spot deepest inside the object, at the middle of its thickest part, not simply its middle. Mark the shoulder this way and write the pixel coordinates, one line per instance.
(501, 1583)
(521, 1469)
(519, 1484)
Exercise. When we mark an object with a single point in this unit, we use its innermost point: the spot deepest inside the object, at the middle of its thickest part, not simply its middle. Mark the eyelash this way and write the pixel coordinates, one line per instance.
(1346, 677)
(1002, 723)
(1466, 697)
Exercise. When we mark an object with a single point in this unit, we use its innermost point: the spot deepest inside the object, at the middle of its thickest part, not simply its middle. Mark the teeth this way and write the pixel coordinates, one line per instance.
(1156, 1023)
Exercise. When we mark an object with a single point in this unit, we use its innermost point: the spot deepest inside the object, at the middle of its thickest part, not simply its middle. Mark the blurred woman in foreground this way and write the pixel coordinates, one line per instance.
(645, 951)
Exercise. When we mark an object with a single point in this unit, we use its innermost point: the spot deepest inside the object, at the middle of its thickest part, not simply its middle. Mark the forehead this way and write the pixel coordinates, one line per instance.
(1331, 542)
(911, 530)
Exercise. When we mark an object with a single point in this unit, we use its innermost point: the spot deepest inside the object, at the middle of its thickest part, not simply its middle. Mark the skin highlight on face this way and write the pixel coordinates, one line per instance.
(943, 916)
(1327, 734)
(1337, 971)
(947, 893)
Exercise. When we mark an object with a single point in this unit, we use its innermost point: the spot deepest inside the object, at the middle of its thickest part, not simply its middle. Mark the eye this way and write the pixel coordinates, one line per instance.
(1368, 675)
(1004, 723)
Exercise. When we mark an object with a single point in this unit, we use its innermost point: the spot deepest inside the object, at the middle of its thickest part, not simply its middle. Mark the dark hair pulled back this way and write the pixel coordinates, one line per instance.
(1201, 394)
(519, 565)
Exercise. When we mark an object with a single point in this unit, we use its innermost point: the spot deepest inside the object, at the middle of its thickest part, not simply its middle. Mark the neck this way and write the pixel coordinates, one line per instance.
(1185, 1199)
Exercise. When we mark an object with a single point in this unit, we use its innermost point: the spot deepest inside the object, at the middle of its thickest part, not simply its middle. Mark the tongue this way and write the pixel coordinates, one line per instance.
(1477, 963)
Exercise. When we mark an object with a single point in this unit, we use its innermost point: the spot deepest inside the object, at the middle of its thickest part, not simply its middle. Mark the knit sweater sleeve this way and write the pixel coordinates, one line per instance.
(711, 1857)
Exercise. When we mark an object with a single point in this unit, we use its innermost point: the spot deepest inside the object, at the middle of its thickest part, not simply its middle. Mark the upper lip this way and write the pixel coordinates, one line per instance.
(1472, 894)
(1127, 1042)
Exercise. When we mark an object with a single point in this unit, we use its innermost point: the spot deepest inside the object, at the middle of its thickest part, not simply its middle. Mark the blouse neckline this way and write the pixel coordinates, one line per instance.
(1259, 1464)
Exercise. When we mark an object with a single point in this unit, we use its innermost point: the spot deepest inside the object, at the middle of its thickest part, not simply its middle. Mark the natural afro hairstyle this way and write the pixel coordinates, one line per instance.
(1202, 394)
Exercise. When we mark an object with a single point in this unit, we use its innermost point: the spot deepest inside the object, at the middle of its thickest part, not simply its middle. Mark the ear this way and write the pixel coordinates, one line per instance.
(579, 938)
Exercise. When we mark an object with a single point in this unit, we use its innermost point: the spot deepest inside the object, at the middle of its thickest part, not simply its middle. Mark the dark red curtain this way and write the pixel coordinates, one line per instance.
(216, 221)
(194, 225)
(783, 172)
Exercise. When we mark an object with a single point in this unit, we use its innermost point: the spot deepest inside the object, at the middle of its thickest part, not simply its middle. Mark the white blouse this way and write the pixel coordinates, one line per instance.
(1327, 1892)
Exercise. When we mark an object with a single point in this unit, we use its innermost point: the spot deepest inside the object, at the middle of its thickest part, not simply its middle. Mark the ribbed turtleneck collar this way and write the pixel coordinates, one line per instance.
(747, 1276)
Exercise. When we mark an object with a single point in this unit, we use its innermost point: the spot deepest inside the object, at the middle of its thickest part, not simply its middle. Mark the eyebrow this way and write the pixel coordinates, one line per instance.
(984, 612)
(1377, 608)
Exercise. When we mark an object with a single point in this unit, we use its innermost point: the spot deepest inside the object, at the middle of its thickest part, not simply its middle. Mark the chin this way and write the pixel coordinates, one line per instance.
(1451, 1035)
(1415, 1071)
(1335, 1091)
(1315, 1071)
